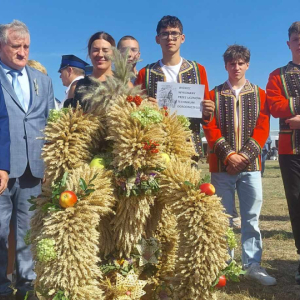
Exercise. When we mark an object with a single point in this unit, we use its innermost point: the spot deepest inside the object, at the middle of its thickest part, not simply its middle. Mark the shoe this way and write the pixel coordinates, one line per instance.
(7, 297)
(259, 274)
(297, 276)
(236, 223)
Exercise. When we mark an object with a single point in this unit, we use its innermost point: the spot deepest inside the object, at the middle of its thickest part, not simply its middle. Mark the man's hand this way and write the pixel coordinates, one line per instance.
(208, 107)
(236, 164)
(153, 100)
(294, 122)
(3, 181)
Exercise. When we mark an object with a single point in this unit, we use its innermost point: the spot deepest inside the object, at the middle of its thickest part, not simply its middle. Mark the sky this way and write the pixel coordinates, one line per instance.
(64, 27)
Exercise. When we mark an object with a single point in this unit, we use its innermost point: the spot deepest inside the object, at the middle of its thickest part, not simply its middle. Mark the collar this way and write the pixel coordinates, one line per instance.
(228, 91)
(185, 66)
(292, 68)
(76, 79)
(179, 64)
(8, 69)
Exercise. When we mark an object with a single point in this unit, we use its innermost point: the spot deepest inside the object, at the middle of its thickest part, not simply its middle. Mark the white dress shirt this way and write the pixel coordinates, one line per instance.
(61, 105)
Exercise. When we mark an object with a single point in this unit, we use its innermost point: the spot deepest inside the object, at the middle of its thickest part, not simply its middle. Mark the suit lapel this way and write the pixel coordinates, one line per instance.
(8, 87)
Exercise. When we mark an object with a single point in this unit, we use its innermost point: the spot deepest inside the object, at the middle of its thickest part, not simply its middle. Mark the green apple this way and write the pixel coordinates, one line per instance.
(98, 162)
(165, 157)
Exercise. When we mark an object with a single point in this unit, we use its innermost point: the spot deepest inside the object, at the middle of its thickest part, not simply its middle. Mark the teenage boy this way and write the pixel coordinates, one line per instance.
(173, 68)
(283, 97)
(236, 134)
(130, 44)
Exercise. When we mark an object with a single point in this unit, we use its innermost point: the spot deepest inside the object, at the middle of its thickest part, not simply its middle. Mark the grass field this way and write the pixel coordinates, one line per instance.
(279, 254)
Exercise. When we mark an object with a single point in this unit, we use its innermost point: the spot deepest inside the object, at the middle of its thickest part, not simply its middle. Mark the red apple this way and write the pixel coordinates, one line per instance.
(222, 282)
(67, 199)
(207, 188)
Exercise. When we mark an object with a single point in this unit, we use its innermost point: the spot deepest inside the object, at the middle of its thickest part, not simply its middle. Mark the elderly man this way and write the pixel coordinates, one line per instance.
(28, 95)
(4, 145)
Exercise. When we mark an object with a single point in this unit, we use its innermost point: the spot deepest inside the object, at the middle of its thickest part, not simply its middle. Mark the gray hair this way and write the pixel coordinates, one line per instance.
(15, 25)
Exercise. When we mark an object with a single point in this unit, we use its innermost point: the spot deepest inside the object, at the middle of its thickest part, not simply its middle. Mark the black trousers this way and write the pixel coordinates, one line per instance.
(290, 171)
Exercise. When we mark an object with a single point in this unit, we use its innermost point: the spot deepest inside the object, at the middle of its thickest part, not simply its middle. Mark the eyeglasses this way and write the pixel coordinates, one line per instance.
(174, 35)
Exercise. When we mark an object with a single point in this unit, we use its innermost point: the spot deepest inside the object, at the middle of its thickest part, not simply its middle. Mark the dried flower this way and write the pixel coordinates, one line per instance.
(137, 100)
(147, 116)
(45, 250)
(231, 240)
(151, 146)
(184, 121)
(147, 249)
(129, 98)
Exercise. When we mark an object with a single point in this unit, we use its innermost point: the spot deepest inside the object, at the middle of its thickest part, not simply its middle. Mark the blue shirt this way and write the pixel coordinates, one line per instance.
(23, 80)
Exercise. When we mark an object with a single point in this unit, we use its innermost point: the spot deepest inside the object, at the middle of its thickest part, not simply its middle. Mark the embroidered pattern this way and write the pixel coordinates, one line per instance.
(290, 77)
(248, 105)
(222, 150)
(188, 73)
(251, 150)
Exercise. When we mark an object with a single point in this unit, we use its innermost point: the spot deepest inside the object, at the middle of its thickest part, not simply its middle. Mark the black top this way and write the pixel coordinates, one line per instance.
(82, 87)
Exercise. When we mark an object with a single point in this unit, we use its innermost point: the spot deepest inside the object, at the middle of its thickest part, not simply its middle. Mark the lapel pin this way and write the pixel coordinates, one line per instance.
(36, 87)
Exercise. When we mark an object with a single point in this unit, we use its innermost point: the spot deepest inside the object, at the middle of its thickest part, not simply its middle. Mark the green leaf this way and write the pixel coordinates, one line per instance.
(32, 200)
(46, 206)
(188, 183)
(205, 179)
(32, 207)
(89, 191)
(82, 184)
(94, 177)
(53, 208)
(64, 179)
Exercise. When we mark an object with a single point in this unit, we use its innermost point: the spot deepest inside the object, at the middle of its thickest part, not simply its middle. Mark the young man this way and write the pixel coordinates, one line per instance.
(236, 134)
(173, 68)
(283, 97)
(130, 44)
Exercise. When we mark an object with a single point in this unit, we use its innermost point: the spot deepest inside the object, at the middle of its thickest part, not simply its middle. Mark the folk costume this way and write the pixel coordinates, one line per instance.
(283, 97)
(240, 126)
(189, 72)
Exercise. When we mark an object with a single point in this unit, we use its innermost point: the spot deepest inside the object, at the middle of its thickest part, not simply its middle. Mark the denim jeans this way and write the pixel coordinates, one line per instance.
(14, 206)
(249, 189)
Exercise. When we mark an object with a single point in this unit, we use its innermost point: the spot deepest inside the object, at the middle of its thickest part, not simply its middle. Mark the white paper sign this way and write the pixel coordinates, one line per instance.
(183, 98)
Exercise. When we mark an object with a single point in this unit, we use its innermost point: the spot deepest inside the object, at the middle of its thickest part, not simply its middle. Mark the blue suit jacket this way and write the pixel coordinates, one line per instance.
(26, 127)
(4, 136)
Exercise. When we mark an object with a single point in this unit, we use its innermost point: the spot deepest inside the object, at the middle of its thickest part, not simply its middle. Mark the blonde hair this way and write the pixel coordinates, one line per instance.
(37, 65)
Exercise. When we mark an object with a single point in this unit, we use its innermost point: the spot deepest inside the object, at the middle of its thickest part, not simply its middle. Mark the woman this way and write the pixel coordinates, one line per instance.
(99, 50)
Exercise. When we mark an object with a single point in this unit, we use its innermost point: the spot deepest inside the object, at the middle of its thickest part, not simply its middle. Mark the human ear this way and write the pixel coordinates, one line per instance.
(182, 38)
